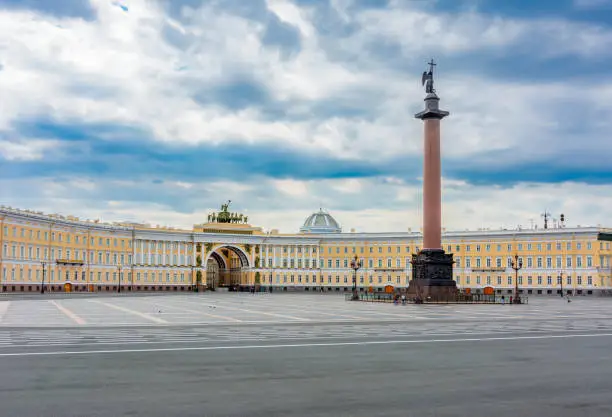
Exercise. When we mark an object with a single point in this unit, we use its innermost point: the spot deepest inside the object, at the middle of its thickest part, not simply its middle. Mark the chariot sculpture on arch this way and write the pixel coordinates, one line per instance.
(224, 216)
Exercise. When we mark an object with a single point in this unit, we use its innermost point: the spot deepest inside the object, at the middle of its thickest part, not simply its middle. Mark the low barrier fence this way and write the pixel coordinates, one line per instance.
(460, 298)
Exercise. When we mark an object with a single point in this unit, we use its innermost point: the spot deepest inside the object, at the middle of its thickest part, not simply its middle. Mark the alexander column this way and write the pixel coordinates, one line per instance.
(432, 268)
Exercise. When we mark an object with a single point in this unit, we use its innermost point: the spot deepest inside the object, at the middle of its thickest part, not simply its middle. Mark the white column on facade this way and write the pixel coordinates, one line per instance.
(193, 253)
(264, 255)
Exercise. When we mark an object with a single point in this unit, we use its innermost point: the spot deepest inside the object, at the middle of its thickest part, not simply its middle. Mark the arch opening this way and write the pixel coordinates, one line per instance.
(226, 268)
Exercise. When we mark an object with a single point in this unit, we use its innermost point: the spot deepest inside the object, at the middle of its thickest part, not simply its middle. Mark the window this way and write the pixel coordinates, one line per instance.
(499, 280)
(589, 246)
(468, 262)
(529, 246)
(520, 246)
(529, 262)
(558, 263)
(589, 261)
(548, 246)
(478, 262)
(488, 262)
(539, 262)
(529, 280)
(509, 280)
(539, 279)
(578, 245)
(549, 280)
(457, 262)
(370, 263)
(558, 245)
(488, 280)
(589, 280)
(569, 280)
(467, 248)
(578, 261)
(498, 263)
(477, 279)
(509, 247)
(520, 280)
(389, 263)
(579, 280)
(548, 262)
(488, 247)
(568, 262)
(477, 248)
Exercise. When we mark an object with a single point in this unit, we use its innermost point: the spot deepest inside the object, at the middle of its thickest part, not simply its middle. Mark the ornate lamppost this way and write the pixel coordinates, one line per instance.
(42, 287)
(517, 265)
(119, 287)
(356, 264)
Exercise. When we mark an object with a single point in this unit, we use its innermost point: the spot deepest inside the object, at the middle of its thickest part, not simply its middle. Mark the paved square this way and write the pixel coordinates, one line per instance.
(218, 317)
(224, 354)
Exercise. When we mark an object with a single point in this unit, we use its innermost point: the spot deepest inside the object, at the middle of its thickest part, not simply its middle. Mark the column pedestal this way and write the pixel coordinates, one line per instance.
(432, 276)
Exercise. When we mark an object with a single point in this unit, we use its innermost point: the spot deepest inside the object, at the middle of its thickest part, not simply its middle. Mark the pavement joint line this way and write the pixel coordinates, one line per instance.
(301, 345)
(259, 312)
(128, 310)
(188, 310)
(70, 314)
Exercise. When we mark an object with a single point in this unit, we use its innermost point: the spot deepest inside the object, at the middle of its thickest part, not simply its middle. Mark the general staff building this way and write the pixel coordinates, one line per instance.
(64, 253)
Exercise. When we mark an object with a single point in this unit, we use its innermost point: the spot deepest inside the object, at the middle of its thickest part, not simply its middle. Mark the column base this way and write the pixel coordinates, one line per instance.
(432, 276)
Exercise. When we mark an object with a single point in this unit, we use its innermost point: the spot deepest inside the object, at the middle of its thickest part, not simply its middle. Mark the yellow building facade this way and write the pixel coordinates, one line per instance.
(64, 253)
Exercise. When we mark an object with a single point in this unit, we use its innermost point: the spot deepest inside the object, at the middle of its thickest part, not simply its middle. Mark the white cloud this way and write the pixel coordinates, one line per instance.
(378, 207)
(121, 69)
(30, 150)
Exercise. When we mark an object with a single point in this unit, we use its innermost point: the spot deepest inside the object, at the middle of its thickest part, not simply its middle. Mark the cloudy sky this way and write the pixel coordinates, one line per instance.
(160, 110)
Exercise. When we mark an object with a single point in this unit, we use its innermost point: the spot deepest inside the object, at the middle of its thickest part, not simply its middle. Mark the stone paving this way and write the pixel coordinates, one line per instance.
(234, 309)
(221, 317)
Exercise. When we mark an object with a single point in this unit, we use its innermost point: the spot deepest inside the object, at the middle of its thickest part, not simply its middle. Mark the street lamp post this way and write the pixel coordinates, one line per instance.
(517, 265)
(119, 287)
(561, 282)
(355, 264)
(42, 287)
